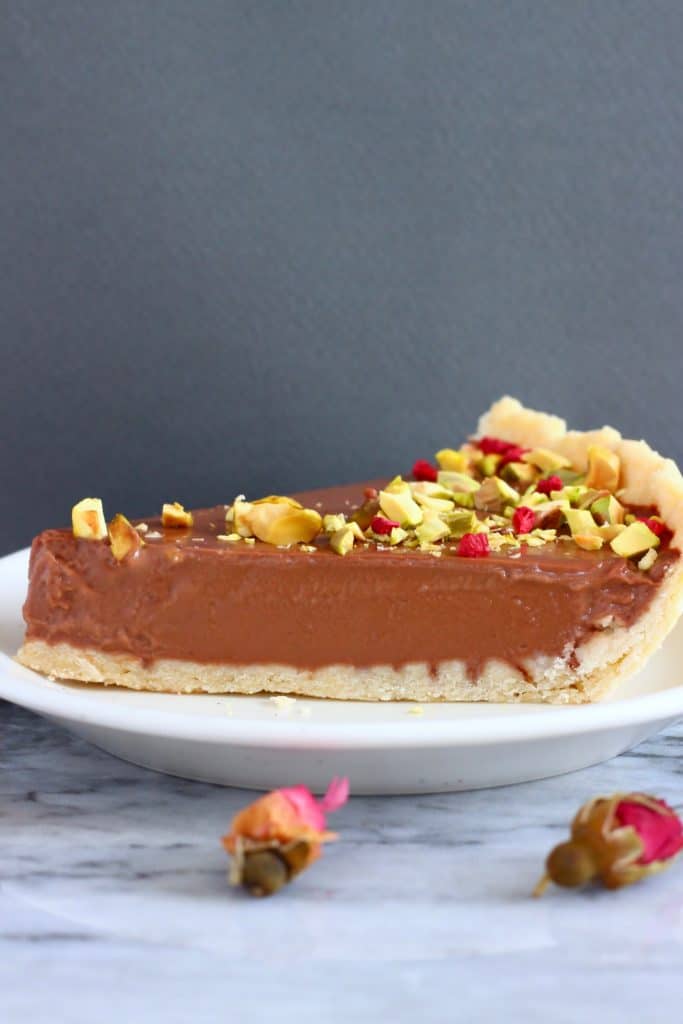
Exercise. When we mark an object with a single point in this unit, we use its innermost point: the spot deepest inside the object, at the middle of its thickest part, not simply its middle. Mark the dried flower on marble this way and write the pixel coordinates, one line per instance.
(280, 835)
(617, 840)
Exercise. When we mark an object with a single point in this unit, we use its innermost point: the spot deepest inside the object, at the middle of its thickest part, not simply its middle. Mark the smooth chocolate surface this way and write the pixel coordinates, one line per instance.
(190, 596)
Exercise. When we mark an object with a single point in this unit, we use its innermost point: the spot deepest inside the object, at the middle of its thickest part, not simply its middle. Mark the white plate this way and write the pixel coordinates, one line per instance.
(259, 743)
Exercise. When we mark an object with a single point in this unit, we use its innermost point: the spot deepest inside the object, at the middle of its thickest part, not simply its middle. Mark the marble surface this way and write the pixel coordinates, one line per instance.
(114, 904)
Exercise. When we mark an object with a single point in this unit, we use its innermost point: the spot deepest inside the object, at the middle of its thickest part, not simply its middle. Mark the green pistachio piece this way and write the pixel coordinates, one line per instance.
(397, 485)
(342, 540)
(435, 504)
(432, 490)
(397, 536)
(494, 494)
(636, 539)
(648, 560)
(457, 481)
(581, 523)
(462, 499)
(570, 476)
(460, 522)
(573, 493)
(431, 530)
(546, 460)
(608, 510)
(332, 523)
(489, 464)
(452, 460)
(519, 472)
(400, 506)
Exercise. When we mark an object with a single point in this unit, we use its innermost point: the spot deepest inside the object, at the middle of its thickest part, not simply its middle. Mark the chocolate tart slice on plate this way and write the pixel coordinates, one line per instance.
(532, 563)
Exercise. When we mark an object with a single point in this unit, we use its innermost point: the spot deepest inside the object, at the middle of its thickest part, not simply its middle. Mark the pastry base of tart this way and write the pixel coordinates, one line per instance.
(607, 658)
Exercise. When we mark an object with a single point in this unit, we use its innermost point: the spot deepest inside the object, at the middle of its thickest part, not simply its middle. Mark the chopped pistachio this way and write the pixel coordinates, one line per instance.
(589, 542)
(431, 530)
(608, 510)
(604, 468)
(488, 464)
(173, 514)
(581, 523)
(397, 536)
(241, 511)
(636, 539)
(460, 522)
(124, 538)
(608, 531)
(435, 504)
(249, 540)
(87, 519)
(457, 482)
(463, 500)
(521, 472)
(401, 507)
(332, 523)
(342, 540)
(431, 489)
(545, 534)
(573, 493)
(450, 459)
(569, 476)
(648, 560)
(494, 494)
(231, 537)
(546, 460)
(283, 525)
(397, 485)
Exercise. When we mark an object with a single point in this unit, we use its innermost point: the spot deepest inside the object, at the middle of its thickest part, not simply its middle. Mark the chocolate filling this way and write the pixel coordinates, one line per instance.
(189, 596)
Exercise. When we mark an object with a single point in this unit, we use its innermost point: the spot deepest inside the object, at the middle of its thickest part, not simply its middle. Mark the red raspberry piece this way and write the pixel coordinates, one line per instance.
(423, 470)
(494, 445)
(551, 483)
(524, 519)
(473, 545)
(380, 524)
(659, 528)
(513, 454)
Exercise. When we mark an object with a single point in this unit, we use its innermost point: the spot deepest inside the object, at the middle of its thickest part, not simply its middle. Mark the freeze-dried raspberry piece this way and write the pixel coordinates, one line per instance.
(550, 483)
(380, 524)
(473, 545)
(524, 519)
(423, 470)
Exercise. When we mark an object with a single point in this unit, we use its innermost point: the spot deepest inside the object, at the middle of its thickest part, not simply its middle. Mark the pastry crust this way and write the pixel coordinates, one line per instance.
(608, 657)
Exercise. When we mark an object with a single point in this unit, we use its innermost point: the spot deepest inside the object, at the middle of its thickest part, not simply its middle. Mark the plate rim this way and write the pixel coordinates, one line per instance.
(29, 689)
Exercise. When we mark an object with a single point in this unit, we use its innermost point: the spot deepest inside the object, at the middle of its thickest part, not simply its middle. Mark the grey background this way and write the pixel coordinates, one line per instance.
(261, 245)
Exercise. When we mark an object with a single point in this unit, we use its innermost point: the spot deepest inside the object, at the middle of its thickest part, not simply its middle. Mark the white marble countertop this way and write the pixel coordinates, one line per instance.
(114, 904)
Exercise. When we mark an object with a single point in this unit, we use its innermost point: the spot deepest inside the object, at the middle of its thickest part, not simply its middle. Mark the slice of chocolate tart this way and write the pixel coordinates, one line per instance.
(530, 564)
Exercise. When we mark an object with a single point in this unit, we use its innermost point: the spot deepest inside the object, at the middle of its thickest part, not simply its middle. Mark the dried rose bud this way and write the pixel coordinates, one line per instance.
(617, 839)
(473, 545)
(548, 484)
(279, 835)
(423, 470)
(523, 519)
(370, 493)
(380, 524)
